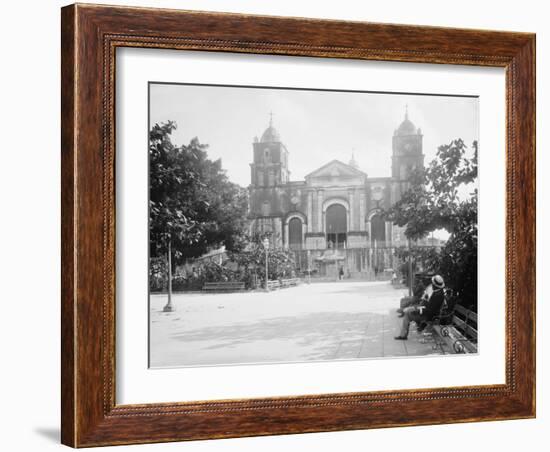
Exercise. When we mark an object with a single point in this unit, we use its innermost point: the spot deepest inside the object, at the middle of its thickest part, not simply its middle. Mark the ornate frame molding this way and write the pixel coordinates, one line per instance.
(90, 36)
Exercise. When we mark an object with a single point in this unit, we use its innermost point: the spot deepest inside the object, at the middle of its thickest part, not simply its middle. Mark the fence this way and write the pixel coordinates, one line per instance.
(372, 263)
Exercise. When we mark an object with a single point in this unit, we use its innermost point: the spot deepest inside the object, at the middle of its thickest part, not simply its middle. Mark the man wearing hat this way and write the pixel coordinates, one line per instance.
(432, 300)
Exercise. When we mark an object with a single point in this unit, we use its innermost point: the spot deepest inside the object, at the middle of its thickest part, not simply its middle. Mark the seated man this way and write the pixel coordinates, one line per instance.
(424, 312)
(419, 292)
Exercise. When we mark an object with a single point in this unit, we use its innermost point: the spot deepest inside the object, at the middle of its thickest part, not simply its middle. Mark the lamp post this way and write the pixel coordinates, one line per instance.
(266, 248)
(169, 307)
(410, 268)
(308, 267)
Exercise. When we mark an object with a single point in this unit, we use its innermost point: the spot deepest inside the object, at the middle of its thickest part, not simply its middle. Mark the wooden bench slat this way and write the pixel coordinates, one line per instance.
(228, 285)
(225, 283)
(221, 285)
(453, 337)
(468, 329)
(461, 333)
(471, 315)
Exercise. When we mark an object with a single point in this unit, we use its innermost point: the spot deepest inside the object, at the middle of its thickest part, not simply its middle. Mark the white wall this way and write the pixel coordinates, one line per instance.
(29, 106)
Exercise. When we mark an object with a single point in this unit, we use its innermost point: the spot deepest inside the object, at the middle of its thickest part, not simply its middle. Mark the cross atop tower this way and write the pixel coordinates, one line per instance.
(406, 111)
(270, 119)
(353, 162)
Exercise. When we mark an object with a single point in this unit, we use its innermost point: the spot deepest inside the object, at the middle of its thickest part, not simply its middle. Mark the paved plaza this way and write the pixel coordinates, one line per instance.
(320, 321)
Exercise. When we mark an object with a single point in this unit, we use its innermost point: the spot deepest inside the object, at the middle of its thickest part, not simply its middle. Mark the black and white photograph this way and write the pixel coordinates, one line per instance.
(296, 225)
(252, 226)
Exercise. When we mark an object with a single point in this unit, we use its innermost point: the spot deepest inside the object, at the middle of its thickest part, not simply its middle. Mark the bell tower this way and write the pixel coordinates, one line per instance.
(406, 149)
(269, 176)
(270, 160)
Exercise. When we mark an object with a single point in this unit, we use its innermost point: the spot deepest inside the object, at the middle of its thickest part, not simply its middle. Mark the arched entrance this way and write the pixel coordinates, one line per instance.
(295, 233)
(336, 226)
(378, 230)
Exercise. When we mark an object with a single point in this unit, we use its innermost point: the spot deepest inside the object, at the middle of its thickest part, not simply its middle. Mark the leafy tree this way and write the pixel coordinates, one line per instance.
(443, 196)
(171, 210)
(280, 263)
(192, 202)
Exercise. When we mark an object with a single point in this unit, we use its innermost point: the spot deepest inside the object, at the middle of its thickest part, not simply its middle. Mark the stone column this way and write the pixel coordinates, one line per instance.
(320, 227)
(351, 225)
(393, 198)
(369, 232)
(310, 212)
(285, 235)
(315, 211)
(278, 229)
(362, 212)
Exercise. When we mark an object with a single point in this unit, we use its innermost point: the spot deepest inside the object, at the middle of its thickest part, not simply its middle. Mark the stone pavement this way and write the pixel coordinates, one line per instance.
(321, 321)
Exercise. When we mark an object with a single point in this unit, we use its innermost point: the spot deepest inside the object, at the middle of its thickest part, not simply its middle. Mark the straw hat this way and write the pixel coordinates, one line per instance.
(438, 282)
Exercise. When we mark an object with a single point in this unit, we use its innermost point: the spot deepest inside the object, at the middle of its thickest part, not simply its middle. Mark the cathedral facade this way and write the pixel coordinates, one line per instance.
(332, 219)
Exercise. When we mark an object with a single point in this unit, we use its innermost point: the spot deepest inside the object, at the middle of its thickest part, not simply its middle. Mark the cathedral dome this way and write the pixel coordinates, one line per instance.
(270, 135)
(353, 163)
(406, 127)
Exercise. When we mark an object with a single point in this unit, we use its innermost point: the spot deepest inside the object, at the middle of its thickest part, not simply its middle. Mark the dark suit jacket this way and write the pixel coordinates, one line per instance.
(433, 305)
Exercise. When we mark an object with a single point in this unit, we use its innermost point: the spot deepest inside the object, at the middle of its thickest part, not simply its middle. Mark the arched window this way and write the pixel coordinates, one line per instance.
(265, 208)
(295, 233)
(403, 172)
(336, 226)
(378, 230)
(260, 176)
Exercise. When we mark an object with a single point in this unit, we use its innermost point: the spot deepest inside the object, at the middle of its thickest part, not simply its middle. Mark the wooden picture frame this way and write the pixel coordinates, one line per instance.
(90, 36)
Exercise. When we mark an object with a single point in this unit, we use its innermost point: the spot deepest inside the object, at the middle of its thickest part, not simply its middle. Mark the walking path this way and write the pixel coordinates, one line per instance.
(321, 321)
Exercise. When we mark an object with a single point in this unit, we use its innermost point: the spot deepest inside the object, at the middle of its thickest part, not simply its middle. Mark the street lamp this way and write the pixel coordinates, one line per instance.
(169, 307)
(266, 248)
(308, 267)
(410, 268)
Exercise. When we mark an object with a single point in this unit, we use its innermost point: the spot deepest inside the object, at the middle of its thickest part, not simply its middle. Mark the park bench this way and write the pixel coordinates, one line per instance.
(224, 286)
(290, 282)
(273, 284)
(459, 330)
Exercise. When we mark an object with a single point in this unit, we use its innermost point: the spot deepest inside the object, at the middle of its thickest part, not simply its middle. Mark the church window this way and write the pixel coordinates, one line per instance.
(271, 178)
(295, 233)
(260, 176)
(378, 230)
(265, 208)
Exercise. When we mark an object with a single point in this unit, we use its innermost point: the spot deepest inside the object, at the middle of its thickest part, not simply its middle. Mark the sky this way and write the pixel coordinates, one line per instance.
(315, 126)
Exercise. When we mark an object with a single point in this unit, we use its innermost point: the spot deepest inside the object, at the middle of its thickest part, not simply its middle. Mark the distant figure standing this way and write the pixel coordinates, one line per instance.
(341, 273)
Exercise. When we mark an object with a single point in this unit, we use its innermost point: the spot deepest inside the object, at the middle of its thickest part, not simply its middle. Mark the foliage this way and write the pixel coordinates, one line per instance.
(436, 197)
(280, 263)
(192, 202)
(443, 196)
(423, 258)
(245, 266)
(157, 274)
